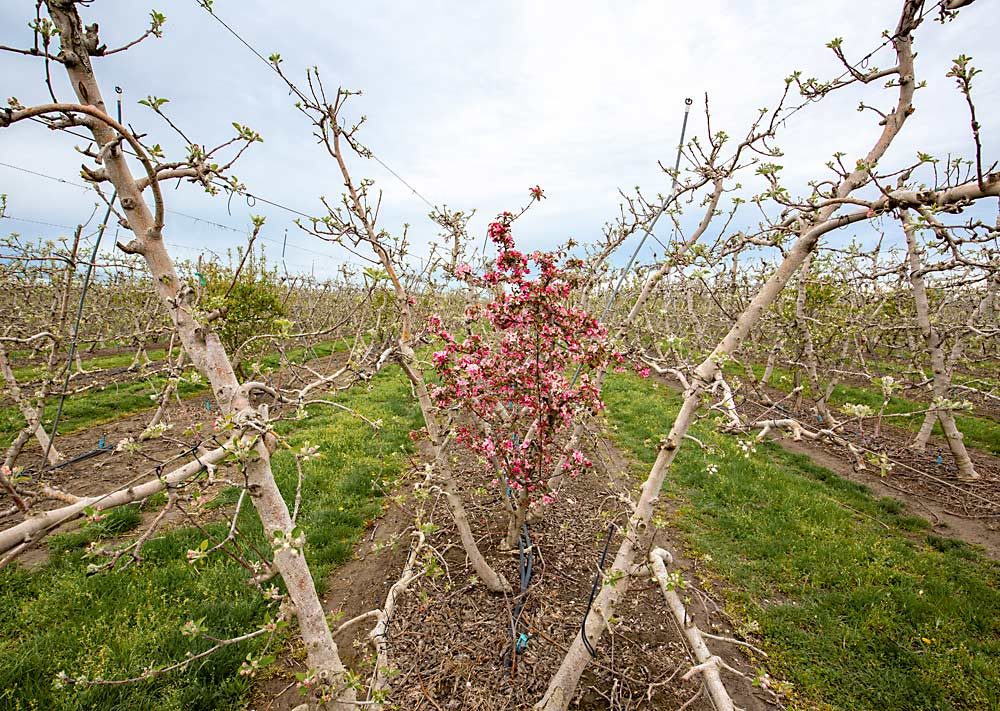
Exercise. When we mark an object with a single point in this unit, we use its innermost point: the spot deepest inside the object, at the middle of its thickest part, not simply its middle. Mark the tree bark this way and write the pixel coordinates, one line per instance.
(205, 349)
(637, 534)
(932, 341)
(32, 416)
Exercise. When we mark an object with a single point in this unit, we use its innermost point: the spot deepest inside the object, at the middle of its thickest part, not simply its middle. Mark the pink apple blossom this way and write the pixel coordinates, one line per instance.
(513, 374)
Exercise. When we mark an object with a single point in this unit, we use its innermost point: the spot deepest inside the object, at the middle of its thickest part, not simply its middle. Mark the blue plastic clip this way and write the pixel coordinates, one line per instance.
(819, 417)
(939, 460)
(102, 442)
(522, 643)
(208, 405)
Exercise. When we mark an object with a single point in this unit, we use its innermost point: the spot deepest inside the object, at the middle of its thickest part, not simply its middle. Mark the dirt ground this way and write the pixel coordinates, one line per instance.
(190, 423)
(926, 482)
(451, 639)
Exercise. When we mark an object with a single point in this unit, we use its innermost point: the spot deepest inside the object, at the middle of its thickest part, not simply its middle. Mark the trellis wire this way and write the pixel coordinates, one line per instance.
(79, 315)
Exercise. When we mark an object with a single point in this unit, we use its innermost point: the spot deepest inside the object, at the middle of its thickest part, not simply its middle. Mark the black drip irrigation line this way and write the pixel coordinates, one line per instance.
(526, 564)
(78, 458)
(593, 592)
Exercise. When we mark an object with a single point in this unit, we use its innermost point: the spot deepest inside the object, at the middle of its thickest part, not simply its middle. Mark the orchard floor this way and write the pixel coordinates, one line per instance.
(858, 605)
(926, 482)
(450, 639)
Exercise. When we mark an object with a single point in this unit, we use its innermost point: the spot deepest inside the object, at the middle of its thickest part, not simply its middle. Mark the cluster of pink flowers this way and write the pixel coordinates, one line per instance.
(512, 373)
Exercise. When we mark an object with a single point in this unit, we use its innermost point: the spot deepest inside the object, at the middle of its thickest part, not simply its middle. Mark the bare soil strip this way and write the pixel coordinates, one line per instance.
(925, 482)
(190, 422)
(450, 639)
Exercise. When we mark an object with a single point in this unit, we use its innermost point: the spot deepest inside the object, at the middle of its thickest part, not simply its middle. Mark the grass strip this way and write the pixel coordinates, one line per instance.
(857, 604)
(113, 625)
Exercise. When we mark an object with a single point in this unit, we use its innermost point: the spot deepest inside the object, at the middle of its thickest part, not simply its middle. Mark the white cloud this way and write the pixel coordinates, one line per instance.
(474, 102)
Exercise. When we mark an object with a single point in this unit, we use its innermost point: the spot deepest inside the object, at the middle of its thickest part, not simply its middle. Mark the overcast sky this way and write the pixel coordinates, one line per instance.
(474, 102)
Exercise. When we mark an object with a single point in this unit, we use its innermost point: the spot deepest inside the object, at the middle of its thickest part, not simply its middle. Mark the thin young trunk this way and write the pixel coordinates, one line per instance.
(810, 360)
(493, 580)
(772, 356)
(408, 361)
(516, 520)
(919, 443)
(78, 363)
(14, 450)
(923, 436)
(168, 390)
(32, 415)
(932, 341)
(140, 358)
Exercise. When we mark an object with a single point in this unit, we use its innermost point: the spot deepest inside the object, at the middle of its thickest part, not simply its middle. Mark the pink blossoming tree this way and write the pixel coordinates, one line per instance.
(522, 372)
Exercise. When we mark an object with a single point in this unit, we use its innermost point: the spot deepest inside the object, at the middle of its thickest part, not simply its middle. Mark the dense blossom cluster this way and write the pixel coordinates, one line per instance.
(524, 368)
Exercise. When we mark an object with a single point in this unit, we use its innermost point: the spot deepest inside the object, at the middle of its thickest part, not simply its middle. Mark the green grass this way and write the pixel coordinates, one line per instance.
(95, 407)
(100, 405)
(980, 432)
(30, 373)
(305, 353)
(857, 605)
(113, 625)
